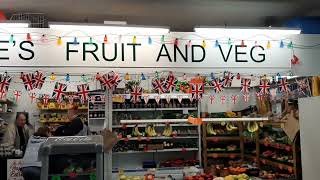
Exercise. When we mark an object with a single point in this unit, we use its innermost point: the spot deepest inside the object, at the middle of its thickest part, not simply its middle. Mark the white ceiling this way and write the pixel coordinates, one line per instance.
(178, 14)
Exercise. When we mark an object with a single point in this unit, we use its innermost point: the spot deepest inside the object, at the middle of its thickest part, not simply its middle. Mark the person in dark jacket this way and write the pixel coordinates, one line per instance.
(76, 126)
(31, 164)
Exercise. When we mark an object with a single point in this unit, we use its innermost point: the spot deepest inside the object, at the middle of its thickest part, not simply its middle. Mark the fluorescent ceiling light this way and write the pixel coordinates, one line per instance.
(14, 24)
(249, 32)
(111, 29)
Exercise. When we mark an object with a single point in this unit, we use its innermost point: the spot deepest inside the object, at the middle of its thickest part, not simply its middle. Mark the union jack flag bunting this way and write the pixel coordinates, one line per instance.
(38, 80)
(45, 99)
(70, 99)
(27, 80)
(218, 87)
(4, 83)
(158, 85)
(32, 97)
(136, 93)
(246, 97)
(245, 85)
(17, 95)
(234, 99)
(83, 92)
(3, 95)
(171, 82)
(106, 81)
(228, 80)
(223, 99)
(116, 79)
(197, 89)
(59, 91)
(302, 85)
(264, 86)
(211, 97)
(283, 84)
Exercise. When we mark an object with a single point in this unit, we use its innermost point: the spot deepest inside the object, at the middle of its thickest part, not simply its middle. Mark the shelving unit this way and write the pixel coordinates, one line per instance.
(139, 116)
(97, 111)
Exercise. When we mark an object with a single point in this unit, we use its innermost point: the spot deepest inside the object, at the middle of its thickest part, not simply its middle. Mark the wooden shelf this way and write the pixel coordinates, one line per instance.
(60, 109)
(156, 125)
(223, 138)
(155, 109)
(276, 164)
(153, 138)
(160, 150)
(52, 122)
(286, 147)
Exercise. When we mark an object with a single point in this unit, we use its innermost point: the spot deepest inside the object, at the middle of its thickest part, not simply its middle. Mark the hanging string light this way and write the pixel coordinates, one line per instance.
(149, 40)
(157, 74)
(279, 76)
(90, 40)
(134, 40)
(290, 45)
(67, 77)
(255, 43)
(29, 37)
(281, 44)
(43, 38)
(84, 78)
(189, 43)
(52, 77)
(11, 39)
(229, 42)
(184, 76)
(127, 77)
(59, 41)
(204, 44)
(212, 76)
(75, 41)
(268, 45)
(238, 76)
(120, 38)
(176, 42)
(105, 39)
(98, 76)
(242, 43)
(162, 39)
(143, 77)
(217, 44)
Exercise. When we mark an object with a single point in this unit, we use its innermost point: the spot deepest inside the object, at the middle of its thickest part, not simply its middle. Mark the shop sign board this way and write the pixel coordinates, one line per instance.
(124, 53)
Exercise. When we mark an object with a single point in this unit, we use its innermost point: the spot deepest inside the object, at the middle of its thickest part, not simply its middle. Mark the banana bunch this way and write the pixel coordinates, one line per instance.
(136, 132)
(230, 114)
(167, 132)
(252, 127)
(230, 126)
(210, 130)
(150, 131)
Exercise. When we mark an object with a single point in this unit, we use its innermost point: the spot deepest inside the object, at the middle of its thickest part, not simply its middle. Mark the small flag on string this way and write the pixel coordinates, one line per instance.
(45, 99)
(136, 93)
(168, 98)
(211, 97)
(246, 97)
(32, 97)
(180, 97)
(146, 98)
(17, 95)
(223, 99)
(234, 99)
(157, 98)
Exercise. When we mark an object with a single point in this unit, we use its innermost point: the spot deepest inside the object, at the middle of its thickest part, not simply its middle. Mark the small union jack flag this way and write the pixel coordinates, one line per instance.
(17, 95)
(83, 92)
(59, 91)
(3, 95)
(45, 99)
(70, 99)
(4, 83)
(158, 85)
(245, 85)
(283, 83)
(259, 96)
(171, 82)
(218, 87)
(246, 97)
(302, 85)
(264, 86)
(38, 80)
(106, 81)
(234, 99)
(197, 89)
(32, 97)
(228, 80)
(27, 80)
(211, 97)
(223, 99)
(116, 79)
(136, 93)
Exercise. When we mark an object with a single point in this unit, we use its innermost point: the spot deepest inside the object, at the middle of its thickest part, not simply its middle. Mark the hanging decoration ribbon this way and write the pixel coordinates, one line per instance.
(157, 98)
(180, 97)
(218, 87)
(59, 91)
(264, 86)
(146, 98)
(83, 92)
(227, 81)
(136, 93)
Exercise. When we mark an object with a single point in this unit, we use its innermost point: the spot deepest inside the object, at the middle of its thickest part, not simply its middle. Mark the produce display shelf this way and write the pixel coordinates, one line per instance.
(235, 119)
(276, 163)
(223, 155)
(286, 147)
(157, 125)
(186, 120)
(224, 151)
(151, 138)
(223, 138)
(83, 109)
(54, 122)
(96, 110)
(67, 175)
(162, 150)
(153, 95)
(157, 109)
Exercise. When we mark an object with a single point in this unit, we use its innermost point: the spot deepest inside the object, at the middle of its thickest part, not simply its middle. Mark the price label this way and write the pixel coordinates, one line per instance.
(183, 150)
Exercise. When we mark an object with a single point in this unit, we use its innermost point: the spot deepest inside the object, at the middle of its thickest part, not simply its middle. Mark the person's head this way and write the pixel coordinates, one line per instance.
(43, 132)
(72, 112)
(21, 119)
